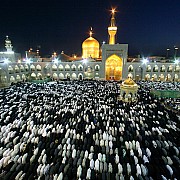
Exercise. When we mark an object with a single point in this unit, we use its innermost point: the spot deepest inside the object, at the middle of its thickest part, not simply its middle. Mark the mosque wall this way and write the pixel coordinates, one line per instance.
(12, 57)
(153, 71)
(14, 72)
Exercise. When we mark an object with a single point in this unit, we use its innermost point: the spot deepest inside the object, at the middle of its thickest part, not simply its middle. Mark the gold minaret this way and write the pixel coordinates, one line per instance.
(112, 29)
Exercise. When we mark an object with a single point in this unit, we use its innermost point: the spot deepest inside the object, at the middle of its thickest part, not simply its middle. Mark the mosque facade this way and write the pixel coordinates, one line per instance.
(108, 62)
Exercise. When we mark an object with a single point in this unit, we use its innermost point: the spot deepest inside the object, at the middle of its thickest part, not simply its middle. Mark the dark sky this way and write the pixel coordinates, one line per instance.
(148, 26)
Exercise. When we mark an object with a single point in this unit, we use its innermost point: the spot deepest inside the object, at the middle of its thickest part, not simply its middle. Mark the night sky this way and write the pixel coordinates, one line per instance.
(148, 26)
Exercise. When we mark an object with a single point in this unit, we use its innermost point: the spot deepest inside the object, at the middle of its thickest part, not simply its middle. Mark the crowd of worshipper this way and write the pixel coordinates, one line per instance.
(162, 85)
(172, 103)
(80, 130)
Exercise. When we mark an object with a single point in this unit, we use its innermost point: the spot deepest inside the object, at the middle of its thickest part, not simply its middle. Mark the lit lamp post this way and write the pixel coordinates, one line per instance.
(167, 53)
(144, 64)
(175, 52)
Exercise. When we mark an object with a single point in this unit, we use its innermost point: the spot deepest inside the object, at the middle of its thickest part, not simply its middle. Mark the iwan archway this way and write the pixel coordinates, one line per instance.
(114, 68)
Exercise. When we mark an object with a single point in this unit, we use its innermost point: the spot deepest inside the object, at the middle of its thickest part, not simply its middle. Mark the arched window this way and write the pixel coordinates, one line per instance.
(176, 77)
(177, 68)
(130, 68)
(38, 67)
(155, 69)
(68, 76)
(73, 67)
(12, 79)
(23, 77)
(161, 77)
(39, 76)
(74, 76)
(80, 67)
(32, 67)
(55, 76)
(80, 76)
(170, 68)
(10, 69)
(61, 76)
(18, 78)
(33, 76)
(147, 77)
(22, 68)
(54, 67)
(168, 77)
(67, 67)
(97, 67)
(154, 77)
(148, 69)
(61, 68)
(163, 68)
(26, 67)
(16, 68)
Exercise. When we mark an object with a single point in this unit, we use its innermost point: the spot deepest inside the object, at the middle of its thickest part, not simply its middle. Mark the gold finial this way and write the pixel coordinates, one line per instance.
(90, 33)
(113, 11)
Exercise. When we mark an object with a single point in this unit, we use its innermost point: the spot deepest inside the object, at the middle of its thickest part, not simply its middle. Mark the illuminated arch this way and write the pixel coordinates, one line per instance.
(12, 79)
(38, 67)
(130, 68)
(80, 76)
(33, 75)
(97, 67)
(148, 69)
(21, 68)
(170, 68)
(161, 77)
(88, 72)
(73, 67)
(67, 67)
(16, 68)
(10, 69)
(80, 67)
(39, 75)
(163, 68)
(176, 77)
(18, 78)
(3, 77)
(61, 68)
(114, 67)
(168, 77)
(32, 67)
(155, 69)
(147, 77)
(55, 76)
(61, 76)
(74, 76)
(177, 68)
(154, 77)
(54, 67)
(26, 67)
(68, 75)
(23, 77)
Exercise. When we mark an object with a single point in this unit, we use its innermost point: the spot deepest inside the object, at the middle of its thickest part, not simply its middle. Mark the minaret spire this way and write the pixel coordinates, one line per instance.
(113, 18)
(8, 44)
(112, 29)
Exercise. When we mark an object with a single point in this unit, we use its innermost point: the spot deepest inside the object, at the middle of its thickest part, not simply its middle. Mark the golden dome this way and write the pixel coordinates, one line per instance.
(129, 81)
(90, 47)
(90, 42)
